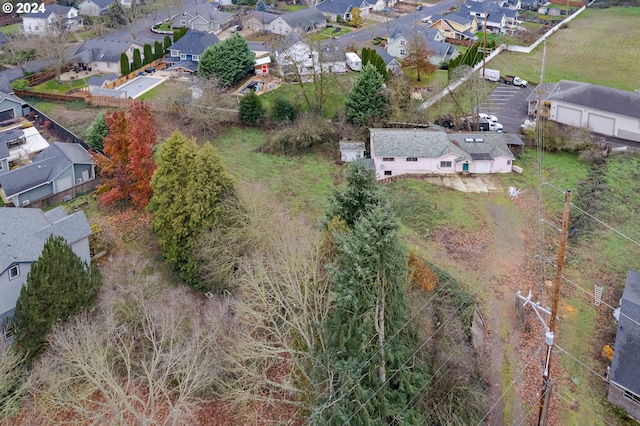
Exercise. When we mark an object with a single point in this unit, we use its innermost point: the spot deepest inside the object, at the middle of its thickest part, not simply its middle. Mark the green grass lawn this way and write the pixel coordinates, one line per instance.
(52, 86)
(10, 29)
(338, 87)
(292, 7)
(437, 79)
(153, 93)
(330, 32)
(600, 46)
(165, 26)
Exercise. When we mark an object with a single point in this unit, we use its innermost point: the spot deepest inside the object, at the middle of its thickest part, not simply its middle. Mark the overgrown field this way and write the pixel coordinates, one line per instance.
(600, 46)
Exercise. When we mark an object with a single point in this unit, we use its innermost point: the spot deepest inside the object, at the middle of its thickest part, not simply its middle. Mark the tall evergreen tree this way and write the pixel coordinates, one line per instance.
(371, 56)
(228, 61)
(251, 110)
(124, 64)
(137, 60)
(369, 339)
(365, 105)
(188, 187)
(167, 42)
(158, 50)
(59, 285)
(97, 132)
(148, 54)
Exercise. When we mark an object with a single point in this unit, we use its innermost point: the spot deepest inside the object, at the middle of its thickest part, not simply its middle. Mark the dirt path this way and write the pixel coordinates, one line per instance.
(507, 255)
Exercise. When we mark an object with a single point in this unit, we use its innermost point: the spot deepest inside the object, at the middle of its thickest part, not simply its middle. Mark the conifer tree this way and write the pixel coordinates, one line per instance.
(137, 60)
(148, 54)
(228, 61)
(59, 285)
(251, 110)
(167, 42)
(365, 105)
(158, 50)
(97, 132)
(124, 64)
(188, 187)
(371, 56)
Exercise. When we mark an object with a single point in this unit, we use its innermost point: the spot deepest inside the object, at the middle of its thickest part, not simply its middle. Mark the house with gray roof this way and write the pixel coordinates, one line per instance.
(57, 168)
(11, 107)
(103, 54)
(393, 65)
(202, 16)
(491, 14)
(184, 54)
(603, 110)
(434, 40)
(94, 7)
(351, 151)
(301, 21)
(421, 151)
(455, 26)
(624, 377)
(335, 10)
(96, 81)
(24, 232)
(258, 21)
(54, 18)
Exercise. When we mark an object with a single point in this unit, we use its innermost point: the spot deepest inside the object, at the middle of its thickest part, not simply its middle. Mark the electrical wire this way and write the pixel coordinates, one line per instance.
(522, 417)
(595, 373)
(588, 409)
(407, 360)
(510, 384)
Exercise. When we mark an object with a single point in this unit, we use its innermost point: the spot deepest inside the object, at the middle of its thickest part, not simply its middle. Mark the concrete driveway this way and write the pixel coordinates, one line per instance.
(508, 104)
(468, 183)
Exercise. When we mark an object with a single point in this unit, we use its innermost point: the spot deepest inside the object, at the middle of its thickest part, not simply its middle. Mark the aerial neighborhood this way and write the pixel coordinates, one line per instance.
(319, 212)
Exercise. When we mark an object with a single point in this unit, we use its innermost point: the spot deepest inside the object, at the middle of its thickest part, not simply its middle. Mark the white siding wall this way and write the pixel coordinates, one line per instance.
(602, 122)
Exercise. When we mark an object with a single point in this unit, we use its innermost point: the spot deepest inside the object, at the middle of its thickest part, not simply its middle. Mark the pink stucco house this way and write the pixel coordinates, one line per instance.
(417, 151)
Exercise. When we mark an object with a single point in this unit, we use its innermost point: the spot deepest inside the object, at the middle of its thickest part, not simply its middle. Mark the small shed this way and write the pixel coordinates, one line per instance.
(262, 65)
(554, 11)
(351, 151)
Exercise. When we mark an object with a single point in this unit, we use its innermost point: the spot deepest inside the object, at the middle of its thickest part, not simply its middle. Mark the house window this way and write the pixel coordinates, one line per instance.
(403, 52)
(175, 53)
(387, 172)
(412, 159)
(196, 57)
(183, 22)
(403, 42)
(1, 166)
(184, 13)
(632, 396)
(509, 162)
(387, 158)
(183, 56)
(445, 164)
(8, 330)
(14, 272)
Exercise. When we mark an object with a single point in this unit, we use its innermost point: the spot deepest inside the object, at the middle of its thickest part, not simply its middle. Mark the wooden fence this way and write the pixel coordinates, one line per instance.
(157, 64)
(60, 196)
(46, 75)
(80, 96)
(113, 102)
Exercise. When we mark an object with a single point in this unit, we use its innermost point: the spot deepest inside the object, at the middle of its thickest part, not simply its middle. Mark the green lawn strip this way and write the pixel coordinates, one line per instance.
(580, 52)
(52, 86)
(302, 183)
(292, 7)
(153, 93)
(165, 26)
(10, 29)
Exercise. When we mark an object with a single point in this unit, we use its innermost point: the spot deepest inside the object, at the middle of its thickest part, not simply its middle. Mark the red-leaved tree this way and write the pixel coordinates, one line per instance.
(128, 163)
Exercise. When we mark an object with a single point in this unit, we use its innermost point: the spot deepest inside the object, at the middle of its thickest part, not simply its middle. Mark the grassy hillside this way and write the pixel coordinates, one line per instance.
(601, 46)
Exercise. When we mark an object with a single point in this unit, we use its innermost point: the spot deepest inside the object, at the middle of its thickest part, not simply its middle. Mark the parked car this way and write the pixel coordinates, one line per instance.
(235, 28)
(495, 126)
(488, 117)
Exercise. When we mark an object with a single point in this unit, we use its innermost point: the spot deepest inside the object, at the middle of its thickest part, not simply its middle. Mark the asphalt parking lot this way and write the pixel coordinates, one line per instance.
(508, 104)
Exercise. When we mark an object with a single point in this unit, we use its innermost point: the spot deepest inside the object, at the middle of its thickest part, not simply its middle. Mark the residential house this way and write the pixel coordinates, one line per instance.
(490, 14)
(54, 18)
(297, 59)
(624, 377)
(94, 7)
(301, 21)
(184, 54)
(417, 151)
(340, 10)
(103, 54)
(530, 4)
(257, 21)
(351, 151)
(203, 16)
(433, 38)
(262, 65)
(455, 26)
(393, 65)
(603, 110)
(11, 108)
(95, 82)
(57, 168)
(24, 232)
(22, 143)
(4, 156)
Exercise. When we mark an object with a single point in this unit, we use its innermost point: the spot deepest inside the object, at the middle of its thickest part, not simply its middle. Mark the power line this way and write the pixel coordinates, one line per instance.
(598, 375)
(407, 360)
(588, 409)
(376, 353)
(510, 384)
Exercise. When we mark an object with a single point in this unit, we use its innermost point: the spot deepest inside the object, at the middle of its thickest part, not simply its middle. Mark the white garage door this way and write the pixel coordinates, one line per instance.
(569, 116)
(64, 184)
(602, 124)
(483, 166)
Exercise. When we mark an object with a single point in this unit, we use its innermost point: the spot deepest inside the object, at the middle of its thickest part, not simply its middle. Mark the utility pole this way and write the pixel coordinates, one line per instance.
(484, 47)
(544, 402)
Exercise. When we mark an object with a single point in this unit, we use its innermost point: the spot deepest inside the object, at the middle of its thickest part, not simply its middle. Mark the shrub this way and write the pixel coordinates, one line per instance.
(308, 132)
(20, 84)
(283, 111)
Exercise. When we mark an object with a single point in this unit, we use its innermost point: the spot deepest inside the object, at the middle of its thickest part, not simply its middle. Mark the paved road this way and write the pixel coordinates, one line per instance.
(508, 104)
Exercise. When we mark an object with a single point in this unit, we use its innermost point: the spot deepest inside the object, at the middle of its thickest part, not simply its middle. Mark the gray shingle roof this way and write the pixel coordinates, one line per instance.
(100, 49)
(418, 143)
(305, 18)
(626, 357)
(194, 42)
(208, 11)
(598, 97)
(494, 145)
(25, 231)
(45, 166)
(95, 80)
(263, 17)
(386, 57)
(102, 3)
(336, 6)
(351, 146)
(48, 10)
